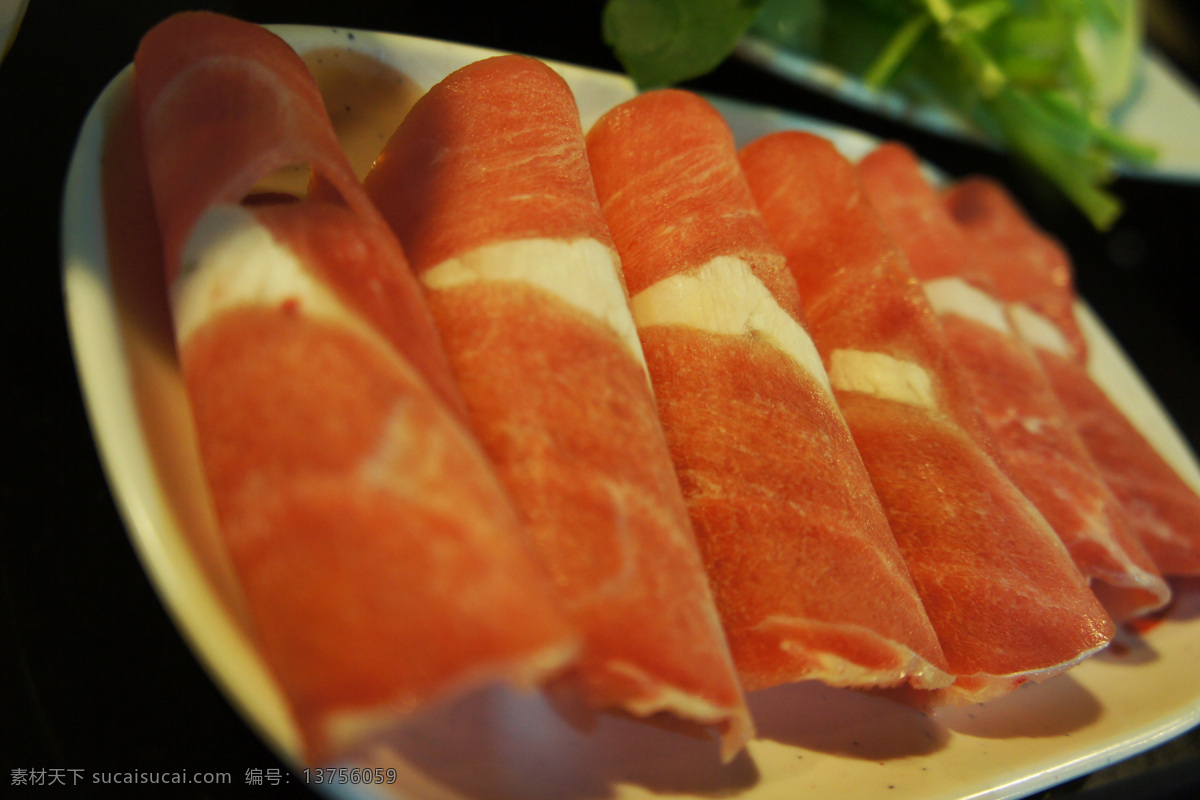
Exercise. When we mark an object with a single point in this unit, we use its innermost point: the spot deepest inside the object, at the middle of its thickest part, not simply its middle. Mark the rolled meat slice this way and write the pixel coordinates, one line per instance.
(1007, 602)
(1037, 442)
(486, 184)
(382, 564)
(807, 576)
(1034, 278)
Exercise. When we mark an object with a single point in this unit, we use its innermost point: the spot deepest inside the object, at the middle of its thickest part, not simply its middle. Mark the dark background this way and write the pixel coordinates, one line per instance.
(95, 676)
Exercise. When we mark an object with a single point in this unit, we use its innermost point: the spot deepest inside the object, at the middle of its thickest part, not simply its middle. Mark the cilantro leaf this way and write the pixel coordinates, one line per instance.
(662, 42)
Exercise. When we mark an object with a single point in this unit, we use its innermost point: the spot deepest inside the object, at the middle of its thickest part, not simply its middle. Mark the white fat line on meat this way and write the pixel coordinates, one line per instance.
(655, 695)
(725, 296)
(233, 261)
(1038, 331)
(583, 273)
(837, 670)
(882, 376)
(956, 296)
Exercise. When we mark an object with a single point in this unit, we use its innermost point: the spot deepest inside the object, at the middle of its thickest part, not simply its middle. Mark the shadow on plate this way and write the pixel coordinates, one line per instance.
(497, 744)
(844, 722)
(1058, 707)
(1128, 648)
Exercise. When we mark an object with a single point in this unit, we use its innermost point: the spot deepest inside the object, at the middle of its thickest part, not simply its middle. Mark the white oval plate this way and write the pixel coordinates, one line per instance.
(814, 741)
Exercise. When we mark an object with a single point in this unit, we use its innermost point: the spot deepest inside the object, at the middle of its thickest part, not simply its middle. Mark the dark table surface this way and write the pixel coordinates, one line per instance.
(95, 675)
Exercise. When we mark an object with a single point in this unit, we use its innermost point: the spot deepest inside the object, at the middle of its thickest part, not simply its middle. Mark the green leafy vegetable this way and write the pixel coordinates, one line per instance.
(661, 42)
(893, 55)
(1040, 76)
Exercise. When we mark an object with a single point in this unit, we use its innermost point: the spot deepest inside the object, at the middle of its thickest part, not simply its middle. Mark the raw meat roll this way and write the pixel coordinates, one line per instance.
(1038, 443)
(486, 184)
(1007, 602)
(808, 578)
(1035, 280)
(380, 559)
